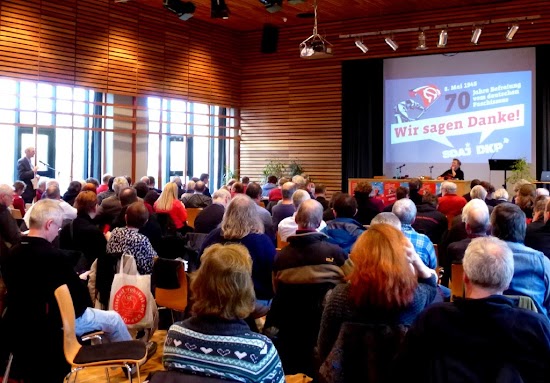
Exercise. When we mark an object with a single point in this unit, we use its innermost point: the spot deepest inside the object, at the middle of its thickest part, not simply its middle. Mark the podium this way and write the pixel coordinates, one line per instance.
(502, 165)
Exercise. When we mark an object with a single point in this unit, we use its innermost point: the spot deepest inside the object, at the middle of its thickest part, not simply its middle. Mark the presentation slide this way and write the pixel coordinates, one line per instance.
(473, 112)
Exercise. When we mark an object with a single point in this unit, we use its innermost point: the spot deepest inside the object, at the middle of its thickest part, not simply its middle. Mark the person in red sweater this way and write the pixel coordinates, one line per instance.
(18, 202)
(168, 203)
(450, 203)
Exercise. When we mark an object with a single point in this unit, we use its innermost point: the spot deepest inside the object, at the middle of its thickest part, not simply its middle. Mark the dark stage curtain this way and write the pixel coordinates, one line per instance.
(543, 109)
(362, 119)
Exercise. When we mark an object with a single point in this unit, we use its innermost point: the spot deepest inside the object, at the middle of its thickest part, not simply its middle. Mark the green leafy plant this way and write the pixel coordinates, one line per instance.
(520, 170)
(273, 168)
(229, 174)
(295, 168)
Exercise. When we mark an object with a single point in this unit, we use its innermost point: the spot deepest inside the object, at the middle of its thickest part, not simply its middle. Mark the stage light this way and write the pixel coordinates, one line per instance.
(512, 32)
(183, 9)
(392, 44)
(421, 42)
(359, 44)
(475, 35)
(272, 6)
(442, 42)
(219, 10)
(315, 46)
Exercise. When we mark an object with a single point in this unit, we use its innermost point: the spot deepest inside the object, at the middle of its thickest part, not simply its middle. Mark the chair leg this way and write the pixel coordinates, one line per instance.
(8, 368)
(107, 374)
(76, 375)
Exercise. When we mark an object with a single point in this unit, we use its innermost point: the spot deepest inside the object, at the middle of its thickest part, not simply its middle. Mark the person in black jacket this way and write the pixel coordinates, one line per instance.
(32, 271)
(210, 217)
(454, 173)
(486, 338)
(303, 272)
(428, 220)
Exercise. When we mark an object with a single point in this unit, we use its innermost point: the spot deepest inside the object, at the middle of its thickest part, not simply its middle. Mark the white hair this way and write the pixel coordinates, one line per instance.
(543, 191)
(6, 190)
(387, 218)
(474, 204)
(479, 192)
(449, 186)
(119, 183)
(501, 194)
(489, 263)
(298, 197)
(44, 210)
(405, 210)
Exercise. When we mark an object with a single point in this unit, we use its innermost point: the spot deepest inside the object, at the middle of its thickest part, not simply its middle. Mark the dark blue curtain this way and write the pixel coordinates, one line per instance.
(543, 109)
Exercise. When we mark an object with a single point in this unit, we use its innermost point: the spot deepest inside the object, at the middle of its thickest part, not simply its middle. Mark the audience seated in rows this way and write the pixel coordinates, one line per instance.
(72, 191)
(483, 338)
(303, 272)
(344, 230)
(429, 220)
(531, 267)
(449, 203)
(268, 186)
(538, 232)
(285, 208)
(52, 192)
(211, 217)
(107, 193)
(405, 210)
(241, 224)
(32, 306)
(254, 191)
(189, 191)
(110, 207)
(382, 257)
(104, 183)
(127, 240)
(216, 341)
(197, 199)
(288, 226)
(276, 194)
(168, 203)
(367, 206)
(400, 193)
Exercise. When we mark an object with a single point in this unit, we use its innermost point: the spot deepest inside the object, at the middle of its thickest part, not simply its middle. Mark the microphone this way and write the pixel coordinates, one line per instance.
(43, 163)
(400, 167)
(431, 167)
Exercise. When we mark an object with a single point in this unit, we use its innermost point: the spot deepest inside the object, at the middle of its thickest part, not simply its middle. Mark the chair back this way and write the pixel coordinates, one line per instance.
(280, 242)
(457, 281)
(16, 213)
(192, 213)
(66, 309)
(176, 298)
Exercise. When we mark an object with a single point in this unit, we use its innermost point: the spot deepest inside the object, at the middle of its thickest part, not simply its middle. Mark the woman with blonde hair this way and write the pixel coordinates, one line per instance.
(216, 341)
(389, 285)
(168, 203)
(241, 223)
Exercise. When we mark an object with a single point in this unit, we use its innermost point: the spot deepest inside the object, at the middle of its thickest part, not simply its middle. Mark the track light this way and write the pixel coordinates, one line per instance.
(359, 44)
(512, 32)
(421, 42)
(219, 10)
(475, 35)
(184, 9)
(442, 42)
(392, 44)
(272, 6)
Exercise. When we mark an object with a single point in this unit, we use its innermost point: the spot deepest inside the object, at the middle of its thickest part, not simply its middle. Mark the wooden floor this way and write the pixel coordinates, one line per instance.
(90, 375)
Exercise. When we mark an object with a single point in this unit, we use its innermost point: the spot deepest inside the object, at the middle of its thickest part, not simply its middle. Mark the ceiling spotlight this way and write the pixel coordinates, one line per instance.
(359, 44)
(219, 10)
(392, 44)
(442, 42)
(272, 6)
(183, 9)
(475, 35)
(512, 32)
(421, 42)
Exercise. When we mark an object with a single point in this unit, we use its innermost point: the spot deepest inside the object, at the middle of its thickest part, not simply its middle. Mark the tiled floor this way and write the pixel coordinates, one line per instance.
(93, 375)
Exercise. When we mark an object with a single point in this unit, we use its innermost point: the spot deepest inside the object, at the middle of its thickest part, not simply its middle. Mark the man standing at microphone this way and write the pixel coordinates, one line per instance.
(26, 172)
(454, 173)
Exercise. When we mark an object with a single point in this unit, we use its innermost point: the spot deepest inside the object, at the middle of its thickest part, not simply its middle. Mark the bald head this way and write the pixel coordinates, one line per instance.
(309, 215)
(288, 190)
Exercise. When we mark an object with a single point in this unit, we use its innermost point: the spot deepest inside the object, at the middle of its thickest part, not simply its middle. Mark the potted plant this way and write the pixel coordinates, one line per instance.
(520, 170)
(273, 168)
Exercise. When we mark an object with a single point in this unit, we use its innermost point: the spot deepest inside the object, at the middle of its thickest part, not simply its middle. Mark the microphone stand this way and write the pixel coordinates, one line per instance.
(431, 176)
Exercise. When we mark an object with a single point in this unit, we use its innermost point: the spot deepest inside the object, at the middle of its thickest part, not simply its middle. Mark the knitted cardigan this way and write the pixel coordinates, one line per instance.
(227, 349)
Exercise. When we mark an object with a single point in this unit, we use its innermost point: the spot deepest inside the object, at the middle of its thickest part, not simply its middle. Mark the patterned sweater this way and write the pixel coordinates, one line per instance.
(221, 348)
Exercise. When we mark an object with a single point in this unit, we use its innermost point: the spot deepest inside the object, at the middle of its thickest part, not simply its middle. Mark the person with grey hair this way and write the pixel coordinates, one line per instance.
(476, 219)
(9, 231)
(33, 270)
(405, 210)
(285, 208)
(499, 342)
(26, 172)
(210, 217)
(532, 268)
(543, 192)
(450, 203)
(110, 207)
(52, 193)
(241, 224)
(288, 226)
(303, 272)
(500, 196)
(478, 192)
(197, 199)
(388, 218)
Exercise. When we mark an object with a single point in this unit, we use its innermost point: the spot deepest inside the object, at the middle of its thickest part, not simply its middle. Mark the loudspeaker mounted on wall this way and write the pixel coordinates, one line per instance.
(270, 38)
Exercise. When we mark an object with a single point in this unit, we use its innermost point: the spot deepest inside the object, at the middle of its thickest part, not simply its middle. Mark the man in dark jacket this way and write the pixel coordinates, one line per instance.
(26, 171)
(303, 272)
(428, 220)
(210, 217)
(487, 338)
(344, 230)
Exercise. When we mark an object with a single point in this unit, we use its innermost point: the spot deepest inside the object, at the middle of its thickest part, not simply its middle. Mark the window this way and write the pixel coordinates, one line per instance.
(188, 139)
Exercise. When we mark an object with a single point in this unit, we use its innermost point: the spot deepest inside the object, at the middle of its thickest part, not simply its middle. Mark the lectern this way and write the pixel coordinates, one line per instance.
(502, 165)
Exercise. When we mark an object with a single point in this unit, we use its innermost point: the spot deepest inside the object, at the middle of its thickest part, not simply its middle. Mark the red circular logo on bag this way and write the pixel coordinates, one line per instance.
(130, 303)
